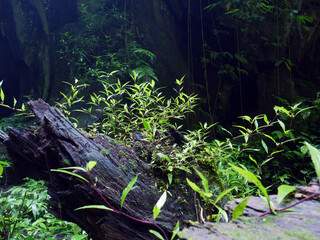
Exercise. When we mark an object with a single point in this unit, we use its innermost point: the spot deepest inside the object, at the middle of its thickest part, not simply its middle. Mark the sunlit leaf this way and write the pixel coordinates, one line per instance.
(90, 165)
(221, 195)
(184, 169)
(78, 237)
(74, 168)
(102, 207)
(176, 229)
(70, 173)
(315, 156)
(164, 156)
(264, 145)
(204, 180)
(1, 95)
(252, 159)
(238, 210)
(159, 205)
(283, 191)
(170, 178)
(223, 213)
(128, 188)
(252, 178)
(146, 125)
(157, 234)
(14, 102)
(282, 125)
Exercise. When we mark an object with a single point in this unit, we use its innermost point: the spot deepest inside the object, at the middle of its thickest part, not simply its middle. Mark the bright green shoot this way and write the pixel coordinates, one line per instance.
(283, 192)
(207, 194)
(128, 188)
(315, 156)
(94, 207)
(249, 176)
(159, 205)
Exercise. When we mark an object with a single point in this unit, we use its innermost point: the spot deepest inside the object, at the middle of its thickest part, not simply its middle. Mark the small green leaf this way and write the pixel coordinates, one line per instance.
(78, 237)
(204, 180)
(90, 165)
(4, 163)
(194, 186)
(70, 173)
(1, 169)
(159, 205)
(156, 212)
(14, 102)
(128, 188)
(228, 5)
(161, 155)
(65, 96)
(146, 125)
(238, 210)
(157, 234)
(176, 230)
(282, 125)
(184, 169)
(94, 207)
(170, 178)
(264, 145)
(283, 191)
(233, 11)
(315, 156)
(223, 213)
(74, 168)
(304, 149)
(1, 95)
(221, 195)
(252, 178)
(278, 63)
(252, 159)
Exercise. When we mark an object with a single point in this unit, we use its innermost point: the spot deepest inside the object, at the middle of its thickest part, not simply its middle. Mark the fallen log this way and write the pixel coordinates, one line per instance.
(56, 143)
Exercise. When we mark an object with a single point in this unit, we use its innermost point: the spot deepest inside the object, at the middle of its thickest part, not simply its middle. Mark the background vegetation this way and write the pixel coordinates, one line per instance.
(118, 93)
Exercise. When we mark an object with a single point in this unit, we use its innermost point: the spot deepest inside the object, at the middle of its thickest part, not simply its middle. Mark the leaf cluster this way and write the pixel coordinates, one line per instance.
(24, 215)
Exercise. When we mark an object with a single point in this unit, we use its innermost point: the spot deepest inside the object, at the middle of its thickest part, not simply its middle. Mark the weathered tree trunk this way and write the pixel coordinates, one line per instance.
(57, 143)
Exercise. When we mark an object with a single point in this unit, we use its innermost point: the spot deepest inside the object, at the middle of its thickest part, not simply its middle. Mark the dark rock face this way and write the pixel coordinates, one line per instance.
(30, 65)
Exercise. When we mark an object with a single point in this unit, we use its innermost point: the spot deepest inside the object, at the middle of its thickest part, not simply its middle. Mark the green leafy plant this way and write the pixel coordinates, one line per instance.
(207, 195)
(87, 169)
(99, 47)
(283, 190)
(24, 215)
(122, 109)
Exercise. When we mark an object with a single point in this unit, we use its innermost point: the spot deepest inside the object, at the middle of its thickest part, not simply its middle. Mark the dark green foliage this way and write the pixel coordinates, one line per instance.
(17, 122)
(24, 215)
(106, 43)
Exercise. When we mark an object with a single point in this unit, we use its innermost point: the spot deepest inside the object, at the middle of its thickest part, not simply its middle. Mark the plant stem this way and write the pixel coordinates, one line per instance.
(283, 209)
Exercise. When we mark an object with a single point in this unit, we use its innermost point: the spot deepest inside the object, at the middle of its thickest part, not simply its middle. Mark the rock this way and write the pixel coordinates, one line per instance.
(300, 222)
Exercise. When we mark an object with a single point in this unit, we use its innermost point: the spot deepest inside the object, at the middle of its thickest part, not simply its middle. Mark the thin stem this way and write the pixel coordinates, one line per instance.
(283, 209)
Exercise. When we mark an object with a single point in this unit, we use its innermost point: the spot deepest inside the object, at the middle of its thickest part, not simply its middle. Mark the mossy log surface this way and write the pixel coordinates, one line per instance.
(56, 143)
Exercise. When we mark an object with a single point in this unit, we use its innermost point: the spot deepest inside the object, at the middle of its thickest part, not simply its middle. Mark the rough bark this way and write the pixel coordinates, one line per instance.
(57, 143)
